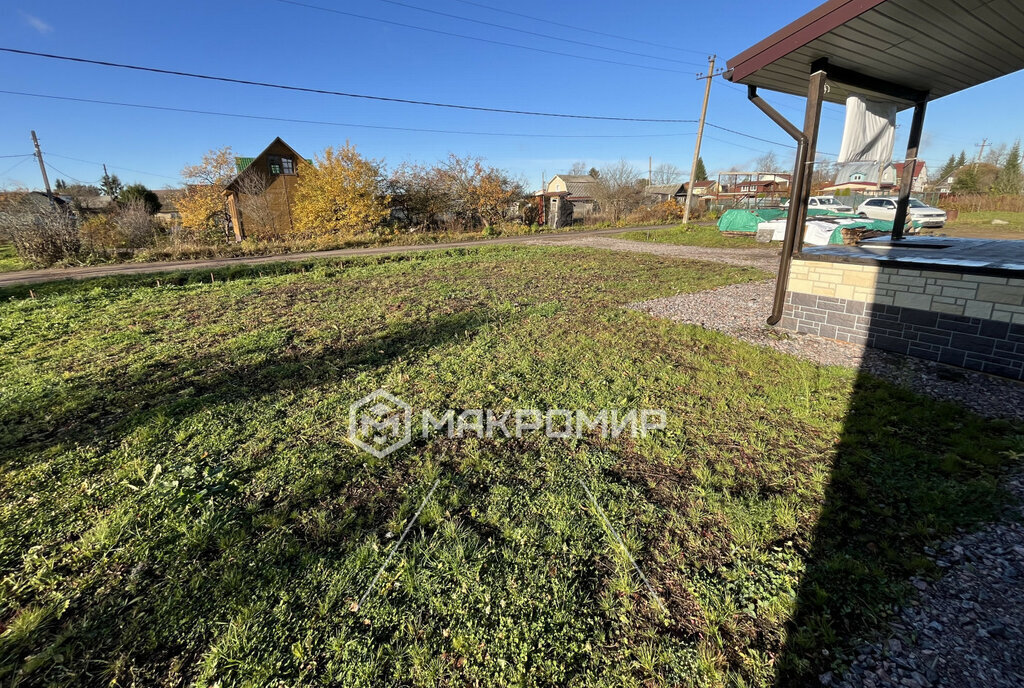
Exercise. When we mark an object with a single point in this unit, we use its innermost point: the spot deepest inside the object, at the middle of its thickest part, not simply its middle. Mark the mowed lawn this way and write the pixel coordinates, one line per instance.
(692, 235)
(180, 505)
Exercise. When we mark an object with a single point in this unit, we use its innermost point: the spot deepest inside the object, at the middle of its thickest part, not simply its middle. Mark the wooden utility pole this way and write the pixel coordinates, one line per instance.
(700, 135)
(42, 167)
(981, 151)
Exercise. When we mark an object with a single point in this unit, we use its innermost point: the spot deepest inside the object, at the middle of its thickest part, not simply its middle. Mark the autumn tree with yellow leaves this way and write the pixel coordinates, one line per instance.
(201, 207)
(341, 193)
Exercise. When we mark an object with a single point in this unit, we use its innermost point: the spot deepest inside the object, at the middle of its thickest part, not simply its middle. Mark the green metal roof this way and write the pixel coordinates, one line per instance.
(241, 164)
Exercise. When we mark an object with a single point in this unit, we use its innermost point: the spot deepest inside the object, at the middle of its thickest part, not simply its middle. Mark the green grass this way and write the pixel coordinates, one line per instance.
(180, 505)
(985, 217)
(692, 235)
(9, 260)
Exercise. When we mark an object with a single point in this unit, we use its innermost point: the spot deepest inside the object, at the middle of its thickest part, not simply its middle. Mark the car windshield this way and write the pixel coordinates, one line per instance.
(828, 201)
(914, 203)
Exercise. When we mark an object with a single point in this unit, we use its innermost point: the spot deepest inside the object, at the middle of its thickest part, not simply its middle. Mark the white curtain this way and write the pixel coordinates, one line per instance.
(868, 139)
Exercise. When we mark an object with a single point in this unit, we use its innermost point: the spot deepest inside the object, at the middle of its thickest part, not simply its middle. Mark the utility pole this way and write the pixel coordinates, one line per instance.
(650, 169)
(700, 134)
(981, 151)
(42, 168)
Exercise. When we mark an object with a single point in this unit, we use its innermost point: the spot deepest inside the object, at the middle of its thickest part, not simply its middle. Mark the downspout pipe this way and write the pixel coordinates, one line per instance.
(796, 192)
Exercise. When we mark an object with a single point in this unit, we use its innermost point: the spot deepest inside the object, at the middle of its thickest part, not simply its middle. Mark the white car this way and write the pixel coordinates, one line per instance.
(885, 209)
(830, 203)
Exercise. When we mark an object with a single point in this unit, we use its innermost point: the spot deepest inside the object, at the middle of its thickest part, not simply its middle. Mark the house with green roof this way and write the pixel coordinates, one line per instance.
(260, 196)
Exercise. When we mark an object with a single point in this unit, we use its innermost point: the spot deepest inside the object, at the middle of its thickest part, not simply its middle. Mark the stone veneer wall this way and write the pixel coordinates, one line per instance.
(970, 320)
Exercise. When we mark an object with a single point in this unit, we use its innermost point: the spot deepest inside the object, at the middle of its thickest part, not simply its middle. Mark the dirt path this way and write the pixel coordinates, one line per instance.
(8, 279)
(765, 258)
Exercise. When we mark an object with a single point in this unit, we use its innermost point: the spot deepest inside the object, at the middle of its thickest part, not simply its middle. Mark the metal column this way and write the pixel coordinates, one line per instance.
(812, 122)
(791, 221)
(909, 166)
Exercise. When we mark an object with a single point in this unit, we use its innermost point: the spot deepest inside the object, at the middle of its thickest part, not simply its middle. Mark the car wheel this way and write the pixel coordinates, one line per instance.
(864, 215)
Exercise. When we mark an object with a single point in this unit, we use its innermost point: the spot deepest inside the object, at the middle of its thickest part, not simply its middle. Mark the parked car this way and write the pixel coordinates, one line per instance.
(830, 203)
(885, 209)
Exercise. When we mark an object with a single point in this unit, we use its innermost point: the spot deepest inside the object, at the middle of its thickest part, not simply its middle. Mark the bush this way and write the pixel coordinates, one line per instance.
(40, 233)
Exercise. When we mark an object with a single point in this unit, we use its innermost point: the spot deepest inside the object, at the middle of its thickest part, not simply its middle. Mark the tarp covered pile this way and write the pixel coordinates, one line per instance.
(825, 228)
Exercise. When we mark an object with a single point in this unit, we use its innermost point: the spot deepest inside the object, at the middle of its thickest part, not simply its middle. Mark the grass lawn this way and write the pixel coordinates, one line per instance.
(1016, 220)
(9, 260)
(180, 505)
(692, 235)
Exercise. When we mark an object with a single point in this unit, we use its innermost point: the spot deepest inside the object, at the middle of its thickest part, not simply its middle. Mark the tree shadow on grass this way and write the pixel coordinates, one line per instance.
(906, 473)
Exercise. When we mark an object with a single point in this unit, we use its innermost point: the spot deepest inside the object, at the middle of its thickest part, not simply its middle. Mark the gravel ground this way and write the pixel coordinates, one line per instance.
(964, 630)
(740, 310)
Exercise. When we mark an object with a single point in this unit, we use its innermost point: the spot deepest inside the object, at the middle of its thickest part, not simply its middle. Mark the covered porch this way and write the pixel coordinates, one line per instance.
(955, 301)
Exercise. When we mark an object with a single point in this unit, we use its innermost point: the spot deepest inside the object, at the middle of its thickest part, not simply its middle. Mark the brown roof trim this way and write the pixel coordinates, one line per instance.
(799, 33)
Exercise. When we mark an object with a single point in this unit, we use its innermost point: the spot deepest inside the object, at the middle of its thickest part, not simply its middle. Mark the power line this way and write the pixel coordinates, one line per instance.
(14, 166)
(113, 167)
(320, 91)
(471, 38)
(23, 155)
(527, 32)
(292, 120)
(578, 28)
(65, 174)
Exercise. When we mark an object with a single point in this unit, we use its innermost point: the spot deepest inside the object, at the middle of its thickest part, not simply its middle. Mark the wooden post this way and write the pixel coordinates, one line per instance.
(236, 218)
(700, 135)
(42, 168)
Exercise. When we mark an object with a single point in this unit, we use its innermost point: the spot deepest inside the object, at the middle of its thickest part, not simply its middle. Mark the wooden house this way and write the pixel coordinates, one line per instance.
(274, 173)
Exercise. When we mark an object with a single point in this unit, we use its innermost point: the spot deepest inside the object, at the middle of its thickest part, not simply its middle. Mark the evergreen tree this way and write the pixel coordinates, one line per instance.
(967, 181)
(701, 174)
(1009, 180)
(962, 160)
(138, 192)
(948, 169)
(111, 185)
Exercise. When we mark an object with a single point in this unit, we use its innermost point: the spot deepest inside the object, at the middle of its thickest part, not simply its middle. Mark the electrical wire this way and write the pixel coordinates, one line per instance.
(547, 20)
(65, 174)
(113, 167)
(23, 155)
(13, 167)
(452, 34)
(532, 33)
(321, 91)
(292, 120)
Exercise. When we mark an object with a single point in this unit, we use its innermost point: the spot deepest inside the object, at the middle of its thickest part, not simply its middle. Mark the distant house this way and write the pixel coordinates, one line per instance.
(708, 187)
(920, 175)
(580, 190)
(168, 205)
(661, 193)
(275, 173)
(18, 204)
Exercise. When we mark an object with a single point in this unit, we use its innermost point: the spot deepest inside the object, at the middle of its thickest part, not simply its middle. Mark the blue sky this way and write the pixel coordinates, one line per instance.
(269, 40)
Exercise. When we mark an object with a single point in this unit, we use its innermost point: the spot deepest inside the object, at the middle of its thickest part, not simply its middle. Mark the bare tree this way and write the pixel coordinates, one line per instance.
(667, 173)
(254, 203)
(579, 168)
(619, 189)
(767, 163)
(996, 154)
(135, 226)
(41, 233)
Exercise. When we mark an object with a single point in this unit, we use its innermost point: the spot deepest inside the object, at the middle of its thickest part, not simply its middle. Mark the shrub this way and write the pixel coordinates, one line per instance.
(40, 233)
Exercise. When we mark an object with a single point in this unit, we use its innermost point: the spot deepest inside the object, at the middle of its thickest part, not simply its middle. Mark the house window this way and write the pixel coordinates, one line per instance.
(857, 177)
(281, 165)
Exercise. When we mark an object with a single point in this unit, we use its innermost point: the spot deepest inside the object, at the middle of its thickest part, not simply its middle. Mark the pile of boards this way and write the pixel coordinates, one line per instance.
(823, 227)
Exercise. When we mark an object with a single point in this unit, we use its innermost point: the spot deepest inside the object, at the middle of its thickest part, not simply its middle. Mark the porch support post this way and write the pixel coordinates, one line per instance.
(782, 280)
(812, 123)
(909, 166)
